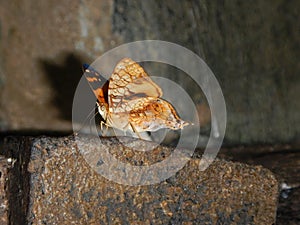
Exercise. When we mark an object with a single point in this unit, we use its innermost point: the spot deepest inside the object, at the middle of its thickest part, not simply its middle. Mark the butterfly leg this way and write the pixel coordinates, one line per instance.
(102, 123)
(143, 135)
(135, 131)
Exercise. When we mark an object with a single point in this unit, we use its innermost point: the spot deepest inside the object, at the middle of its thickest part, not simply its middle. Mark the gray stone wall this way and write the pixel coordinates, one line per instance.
(251, 46)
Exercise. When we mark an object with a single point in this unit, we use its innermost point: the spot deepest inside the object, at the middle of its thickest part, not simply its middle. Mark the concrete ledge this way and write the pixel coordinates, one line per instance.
(64, 189)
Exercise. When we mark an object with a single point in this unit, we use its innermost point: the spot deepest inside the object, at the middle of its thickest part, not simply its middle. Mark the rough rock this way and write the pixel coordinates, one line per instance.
(65, 189)
(5, 164)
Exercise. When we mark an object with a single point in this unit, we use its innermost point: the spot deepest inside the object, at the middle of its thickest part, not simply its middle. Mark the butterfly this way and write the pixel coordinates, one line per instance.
(130, 101)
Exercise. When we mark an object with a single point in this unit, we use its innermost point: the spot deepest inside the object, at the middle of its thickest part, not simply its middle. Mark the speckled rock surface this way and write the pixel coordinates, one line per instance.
(5, 164)
(64, 189)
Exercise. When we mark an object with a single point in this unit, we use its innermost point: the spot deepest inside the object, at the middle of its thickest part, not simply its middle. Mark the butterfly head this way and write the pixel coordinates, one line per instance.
(102, 109)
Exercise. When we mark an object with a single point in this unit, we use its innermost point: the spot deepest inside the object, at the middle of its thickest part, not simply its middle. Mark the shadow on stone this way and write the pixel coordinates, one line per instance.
(17, 188)
(64, 75)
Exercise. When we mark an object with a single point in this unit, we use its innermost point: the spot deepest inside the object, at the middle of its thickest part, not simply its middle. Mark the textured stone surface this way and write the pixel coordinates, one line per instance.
(19, 150)
(64, 189)
(5, 164)
(284, 162)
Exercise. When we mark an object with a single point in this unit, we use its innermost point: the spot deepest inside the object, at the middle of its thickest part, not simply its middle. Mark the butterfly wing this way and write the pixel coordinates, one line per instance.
(129, 82)
(151, 114)
(99, 86)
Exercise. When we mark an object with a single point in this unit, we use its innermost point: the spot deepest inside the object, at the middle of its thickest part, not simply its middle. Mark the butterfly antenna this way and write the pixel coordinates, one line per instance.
(86, 119)
(90, 122)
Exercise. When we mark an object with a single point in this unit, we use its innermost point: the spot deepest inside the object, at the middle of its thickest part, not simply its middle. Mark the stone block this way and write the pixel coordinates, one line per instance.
(65, 189)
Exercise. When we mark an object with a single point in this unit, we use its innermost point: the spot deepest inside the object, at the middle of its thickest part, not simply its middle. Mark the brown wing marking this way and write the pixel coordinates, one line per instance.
(98, 84)
(129, 81)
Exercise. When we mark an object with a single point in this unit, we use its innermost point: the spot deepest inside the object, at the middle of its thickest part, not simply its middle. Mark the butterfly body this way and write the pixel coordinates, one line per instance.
(131, 101)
